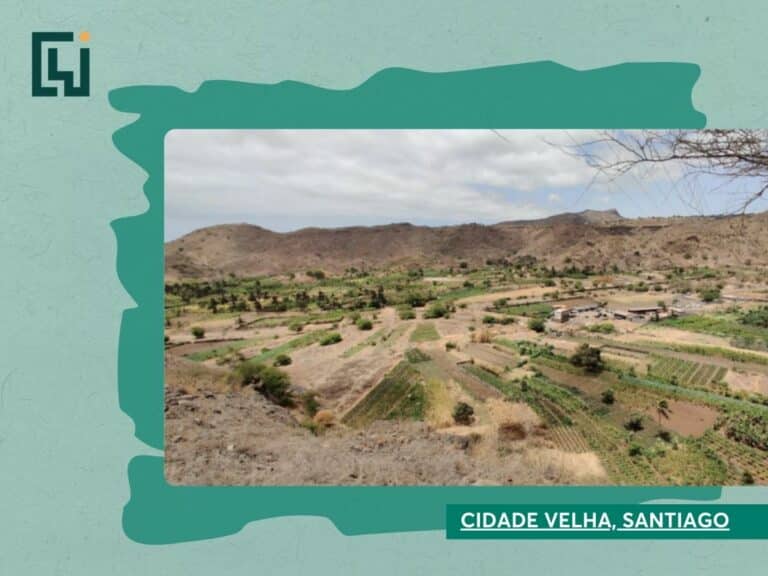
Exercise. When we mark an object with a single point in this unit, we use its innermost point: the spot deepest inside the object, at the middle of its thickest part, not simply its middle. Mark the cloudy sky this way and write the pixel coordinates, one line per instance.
(289, 179)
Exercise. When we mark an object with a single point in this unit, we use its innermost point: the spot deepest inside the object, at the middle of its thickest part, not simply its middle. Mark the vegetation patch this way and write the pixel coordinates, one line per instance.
(399, 396)
(686, 373)
(295, 344)
(535, 310)
(425, 332)
(742, 334)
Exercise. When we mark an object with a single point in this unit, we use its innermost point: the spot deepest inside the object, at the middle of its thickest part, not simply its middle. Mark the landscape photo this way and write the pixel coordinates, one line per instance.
(466, 307)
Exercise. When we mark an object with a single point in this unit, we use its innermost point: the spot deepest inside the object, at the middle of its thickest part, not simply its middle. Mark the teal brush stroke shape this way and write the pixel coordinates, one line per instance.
(533, 95)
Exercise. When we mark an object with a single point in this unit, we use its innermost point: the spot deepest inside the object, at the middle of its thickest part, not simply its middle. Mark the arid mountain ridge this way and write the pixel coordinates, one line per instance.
(597, 238)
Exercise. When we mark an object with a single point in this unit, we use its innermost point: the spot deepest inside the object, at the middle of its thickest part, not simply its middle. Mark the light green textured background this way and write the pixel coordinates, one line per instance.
(64, 444)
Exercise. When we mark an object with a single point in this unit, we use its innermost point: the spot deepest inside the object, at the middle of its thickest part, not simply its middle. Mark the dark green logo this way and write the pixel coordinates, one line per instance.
(45, 78)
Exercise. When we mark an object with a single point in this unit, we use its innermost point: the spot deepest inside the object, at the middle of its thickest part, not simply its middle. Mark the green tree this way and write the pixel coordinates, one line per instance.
(536, 324)
(588, 358)
(662, 410)
(463, 414)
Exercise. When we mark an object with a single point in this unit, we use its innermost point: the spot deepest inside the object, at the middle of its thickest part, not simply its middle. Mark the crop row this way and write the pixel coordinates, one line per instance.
(686, 373)
(740, 458)
(399, 394)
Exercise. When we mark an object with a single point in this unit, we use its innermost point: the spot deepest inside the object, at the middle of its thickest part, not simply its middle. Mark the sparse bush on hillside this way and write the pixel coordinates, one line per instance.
(309, 403)
(635, 423)
(536, 324)
(364, 324)
(282, 360)
(332, 338)
(463, 414)
(269, 381)
(709, 294)
(436, 310)
(608, 397)
(198, 332)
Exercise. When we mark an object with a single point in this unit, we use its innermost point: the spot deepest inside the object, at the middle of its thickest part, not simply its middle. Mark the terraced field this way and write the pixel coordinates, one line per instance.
(414, 355)
(399, 395)
(296, 343)
(425, 332)
(686, 373)
(222, 350)
(740, 458)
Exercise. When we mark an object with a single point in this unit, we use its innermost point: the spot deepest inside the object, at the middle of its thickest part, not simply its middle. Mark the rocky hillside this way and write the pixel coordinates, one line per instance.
(599, 238)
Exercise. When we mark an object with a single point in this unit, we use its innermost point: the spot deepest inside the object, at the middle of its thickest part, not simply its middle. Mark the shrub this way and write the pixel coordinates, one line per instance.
(414, 356)
(709, 294)
(275, 385)
(198, 332)
(436, 310)
(747, 478)
(450, 345)
(635, 423)
(536, 324)
(463, 414)
(588, 358)
(296, 326)
(406, 313)
(608, 397)
(635, 450)
(271, 382)
(282, 360)
(602, 328)
(329, 339)
(665, 435)
(488, 319)
(310, 403)
(756, 317)
(364, 324)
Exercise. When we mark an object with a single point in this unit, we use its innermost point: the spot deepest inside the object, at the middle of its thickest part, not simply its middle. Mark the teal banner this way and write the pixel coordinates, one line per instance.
(618, 522)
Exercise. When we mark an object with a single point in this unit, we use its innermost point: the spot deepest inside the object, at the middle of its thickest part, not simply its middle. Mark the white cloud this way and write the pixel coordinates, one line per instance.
(287, 179)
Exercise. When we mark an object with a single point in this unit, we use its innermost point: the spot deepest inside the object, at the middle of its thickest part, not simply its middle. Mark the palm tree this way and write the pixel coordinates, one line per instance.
(662, 409)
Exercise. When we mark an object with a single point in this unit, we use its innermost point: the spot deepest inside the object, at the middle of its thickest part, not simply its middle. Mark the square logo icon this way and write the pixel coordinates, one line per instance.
(48, 77)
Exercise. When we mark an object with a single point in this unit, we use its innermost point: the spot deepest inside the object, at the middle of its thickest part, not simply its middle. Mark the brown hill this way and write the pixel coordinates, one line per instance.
(599, 238)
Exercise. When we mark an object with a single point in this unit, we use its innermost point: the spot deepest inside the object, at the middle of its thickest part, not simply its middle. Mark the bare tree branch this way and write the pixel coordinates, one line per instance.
(734, 155)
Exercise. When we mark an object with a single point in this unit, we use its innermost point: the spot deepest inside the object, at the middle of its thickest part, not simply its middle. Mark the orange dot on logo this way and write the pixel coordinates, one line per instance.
(85, 36)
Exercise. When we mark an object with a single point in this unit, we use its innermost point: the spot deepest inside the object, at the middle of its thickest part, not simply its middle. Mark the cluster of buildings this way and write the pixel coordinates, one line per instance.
(566, 310)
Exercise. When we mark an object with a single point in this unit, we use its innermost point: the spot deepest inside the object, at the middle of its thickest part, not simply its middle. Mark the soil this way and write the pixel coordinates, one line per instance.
(686, 418)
